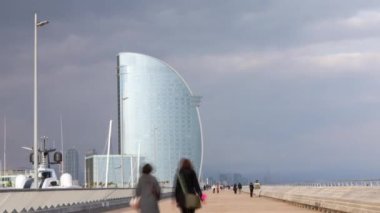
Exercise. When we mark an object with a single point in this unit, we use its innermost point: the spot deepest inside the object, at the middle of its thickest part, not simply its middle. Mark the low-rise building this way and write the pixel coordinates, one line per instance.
(122, 171)
(8, 177)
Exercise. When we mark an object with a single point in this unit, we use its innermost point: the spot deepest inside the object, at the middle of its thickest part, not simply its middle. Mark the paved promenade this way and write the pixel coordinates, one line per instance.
(228, 202)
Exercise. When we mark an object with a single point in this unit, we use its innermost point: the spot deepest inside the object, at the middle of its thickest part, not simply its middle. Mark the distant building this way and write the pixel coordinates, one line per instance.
(8, 178)
(158, 115)
(121, 171)
(211, 181)
(225, 179)
(91, 152)
(238, 178)
(72, 163)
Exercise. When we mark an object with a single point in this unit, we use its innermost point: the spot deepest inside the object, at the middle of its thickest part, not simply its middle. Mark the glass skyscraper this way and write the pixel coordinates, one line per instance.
(158, 115)
(72, 163)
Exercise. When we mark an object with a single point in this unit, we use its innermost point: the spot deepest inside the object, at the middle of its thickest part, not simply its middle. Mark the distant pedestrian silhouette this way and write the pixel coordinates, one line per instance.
(240, 187)
(235, 188)
(148, 190)
(251, 189)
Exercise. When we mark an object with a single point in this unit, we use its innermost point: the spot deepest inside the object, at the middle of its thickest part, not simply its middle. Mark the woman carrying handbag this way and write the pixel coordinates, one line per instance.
(148, 191)
(187, 191)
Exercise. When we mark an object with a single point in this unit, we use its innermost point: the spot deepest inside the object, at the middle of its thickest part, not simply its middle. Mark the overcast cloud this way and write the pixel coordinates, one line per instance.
(290, 88)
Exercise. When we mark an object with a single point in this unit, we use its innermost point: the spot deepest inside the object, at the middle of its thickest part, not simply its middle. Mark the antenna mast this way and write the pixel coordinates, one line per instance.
(5, 144)
(63, 155)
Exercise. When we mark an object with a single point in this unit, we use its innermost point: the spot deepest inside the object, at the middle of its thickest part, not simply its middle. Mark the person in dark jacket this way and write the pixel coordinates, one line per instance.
(235, 188)
(240, 187)
(148, 190)
(251, 188)
(191, 185)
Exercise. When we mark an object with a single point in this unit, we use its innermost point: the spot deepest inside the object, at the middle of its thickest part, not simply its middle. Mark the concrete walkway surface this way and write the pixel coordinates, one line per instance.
(226, 201)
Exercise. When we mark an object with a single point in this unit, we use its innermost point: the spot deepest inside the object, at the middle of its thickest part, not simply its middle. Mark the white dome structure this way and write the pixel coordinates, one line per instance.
(66, 180)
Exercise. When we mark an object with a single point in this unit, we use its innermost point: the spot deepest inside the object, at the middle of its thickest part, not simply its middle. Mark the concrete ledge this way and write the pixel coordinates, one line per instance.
(358, 199)
(99, 206)
(68, 200)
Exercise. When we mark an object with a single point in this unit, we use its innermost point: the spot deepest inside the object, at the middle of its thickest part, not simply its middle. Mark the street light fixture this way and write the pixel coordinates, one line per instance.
(42, 23)
(27, 148)
(35, 129)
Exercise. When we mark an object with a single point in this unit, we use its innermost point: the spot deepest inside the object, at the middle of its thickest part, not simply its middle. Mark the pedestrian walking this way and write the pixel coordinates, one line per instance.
(251, 187)
(187, 185)
(240, 187)
(148, 190)
(235, 188)
(257, 188)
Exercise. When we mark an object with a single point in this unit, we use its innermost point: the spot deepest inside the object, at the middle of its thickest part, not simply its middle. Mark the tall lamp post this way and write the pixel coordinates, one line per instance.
(35, 138)
(122, 73)
(122, 148)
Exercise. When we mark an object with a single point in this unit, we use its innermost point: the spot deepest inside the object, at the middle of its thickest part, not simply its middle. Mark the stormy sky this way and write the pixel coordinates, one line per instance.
(290, 88)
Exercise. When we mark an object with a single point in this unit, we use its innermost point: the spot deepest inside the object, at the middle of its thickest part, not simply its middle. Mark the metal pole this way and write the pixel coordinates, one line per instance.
(120, 145)
(122, 170)
(138, 163)
(131, 163)
(85, 173)
(123, 139)
(5, 144)
(155, 146)
(170, 161)
(35, 138)
(108, 152)
(63, 154)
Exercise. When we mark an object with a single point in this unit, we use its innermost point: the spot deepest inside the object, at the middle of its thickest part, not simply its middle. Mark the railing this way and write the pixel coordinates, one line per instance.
(366, 183)
(341, 196)
(65, 200)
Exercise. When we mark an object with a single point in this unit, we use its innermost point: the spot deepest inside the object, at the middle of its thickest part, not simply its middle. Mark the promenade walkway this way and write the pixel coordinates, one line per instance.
(226, 201)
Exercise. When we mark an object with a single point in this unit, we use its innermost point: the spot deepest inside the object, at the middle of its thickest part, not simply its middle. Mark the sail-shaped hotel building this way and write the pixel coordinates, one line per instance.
(158, 115)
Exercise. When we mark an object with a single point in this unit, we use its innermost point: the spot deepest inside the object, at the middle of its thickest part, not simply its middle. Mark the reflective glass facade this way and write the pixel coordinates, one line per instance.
(158, 115)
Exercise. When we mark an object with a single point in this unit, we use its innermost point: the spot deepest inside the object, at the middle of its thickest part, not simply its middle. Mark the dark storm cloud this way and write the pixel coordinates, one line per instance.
(289, 87)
